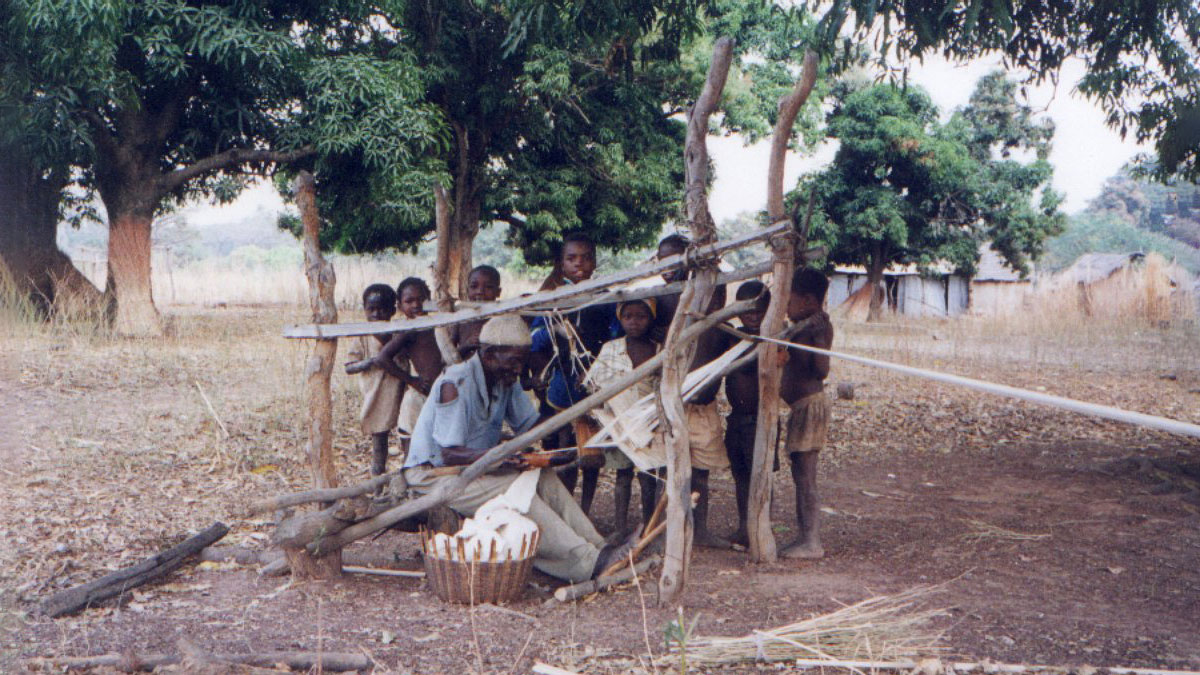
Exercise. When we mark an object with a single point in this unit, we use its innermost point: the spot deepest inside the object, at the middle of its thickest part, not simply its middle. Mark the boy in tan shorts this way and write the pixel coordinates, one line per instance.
(803, 389)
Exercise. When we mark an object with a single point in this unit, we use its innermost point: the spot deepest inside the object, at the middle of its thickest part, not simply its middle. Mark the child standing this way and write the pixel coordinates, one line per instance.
(617, 358)
(741, 388)
(381, 390)
(552, 351)
(417, 350)
(705, 436)
(803, 389)
(483, 285)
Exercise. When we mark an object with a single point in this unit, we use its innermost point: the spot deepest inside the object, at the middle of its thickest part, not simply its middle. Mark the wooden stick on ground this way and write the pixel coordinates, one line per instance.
(585, 588)
(74, 599)
(330, 661)
(758, 516)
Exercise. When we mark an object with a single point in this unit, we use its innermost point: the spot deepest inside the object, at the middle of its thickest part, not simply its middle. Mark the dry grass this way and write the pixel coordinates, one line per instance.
(218, 282)
(981, 531)
(883, 628)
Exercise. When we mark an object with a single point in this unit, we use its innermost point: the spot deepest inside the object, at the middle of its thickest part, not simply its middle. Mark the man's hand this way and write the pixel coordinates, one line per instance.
(517, 462)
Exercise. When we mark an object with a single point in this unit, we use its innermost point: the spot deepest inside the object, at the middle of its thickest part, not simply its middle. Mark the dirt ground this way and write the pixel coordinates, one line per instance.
(1053, 538)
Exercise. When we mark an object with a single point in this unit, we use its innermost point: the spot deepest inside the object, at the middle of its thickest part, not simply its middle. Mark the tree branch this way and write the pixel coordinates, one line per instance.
(229, 159)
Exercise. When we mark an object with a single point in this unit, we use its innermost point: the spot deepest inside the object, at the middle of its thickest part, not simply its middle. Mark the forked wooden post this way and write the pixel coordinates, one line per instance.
(758, 516)
(443, 280)
(317, 372)
(693, 302)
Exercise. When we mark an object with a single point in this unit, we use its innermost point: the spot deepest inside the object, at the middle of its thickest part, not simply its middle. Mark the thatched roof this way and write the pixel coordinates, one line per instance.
(1092, 267)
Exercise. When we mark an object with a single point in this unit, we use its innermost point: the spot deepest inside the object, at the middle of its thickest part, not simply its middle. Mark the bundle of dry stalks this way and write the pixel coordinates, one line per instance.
(889, 627)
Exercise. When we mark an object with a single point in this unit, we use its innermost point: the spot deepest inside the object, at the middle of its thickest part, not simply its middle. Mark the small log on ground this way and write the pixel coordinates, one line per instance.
(113, 585)
(586, 588)
(329, 661)
(293, 534)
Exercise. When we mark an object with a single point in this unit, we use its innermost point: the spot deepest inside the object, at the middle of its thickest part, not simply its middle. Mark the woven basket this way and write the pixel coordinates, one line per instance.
(475, 583)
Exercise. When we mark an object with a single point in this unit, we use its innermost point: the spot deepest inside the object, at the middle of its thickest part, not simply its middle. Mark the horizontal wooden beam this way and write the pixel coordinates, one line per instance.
(550, 298)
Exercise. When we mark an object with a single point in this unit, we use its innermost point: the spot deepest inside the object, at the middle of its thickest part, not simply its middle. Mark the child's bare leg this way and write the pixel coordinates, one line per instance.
(587, 491)
(740, 463)
(649, 486)
(622, 493)
(808, 508)
(703, 537)
(379, 453)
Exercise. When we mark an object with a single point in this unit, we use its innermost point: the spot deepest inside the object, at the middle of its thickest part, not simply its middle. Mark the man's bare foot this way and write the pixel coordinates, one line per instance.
(707, 539)
(800, 550)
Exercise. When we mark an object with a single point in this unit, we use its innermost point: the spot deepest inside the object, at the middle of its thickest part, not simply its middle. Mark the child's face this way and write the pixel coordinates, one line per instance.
(802, 305)
(578, 261)
(412, 302)
(482, 287)
(666, 251)
(635, 320)
(378, 309)
(752, 320)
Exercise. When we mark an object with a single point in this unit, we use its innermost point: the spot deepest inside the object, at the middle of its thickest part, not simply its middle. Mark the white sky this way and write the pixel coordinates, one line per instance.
(1085, 153)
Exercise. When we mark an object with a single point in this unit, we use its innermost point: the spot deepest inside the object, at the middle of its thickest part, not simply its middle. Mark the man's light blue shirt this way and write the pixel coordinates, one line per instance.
(473, 420)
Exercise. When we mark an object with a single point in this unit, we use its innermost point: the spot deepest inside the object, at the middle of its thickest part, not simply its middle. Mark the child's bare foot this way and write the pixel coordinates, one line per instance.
(707, 539)
(800, 550)
(740, 538)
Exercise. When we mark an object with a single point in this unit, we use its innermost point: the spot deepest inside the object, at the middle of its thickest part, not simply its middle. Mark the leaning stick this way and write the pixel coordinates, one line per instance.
(319, 495)
(758, 508)
(585, 588)
(451, 488)
(645, 541)
(306, 661)
(118, 583)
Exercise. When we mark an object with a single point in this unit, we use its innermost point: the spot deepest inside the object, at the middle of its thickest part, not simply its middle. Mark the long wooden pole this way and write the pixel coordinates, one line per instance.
(321, 279)
(758, 516)
(693, 302)
(451, 488)
(542, 298)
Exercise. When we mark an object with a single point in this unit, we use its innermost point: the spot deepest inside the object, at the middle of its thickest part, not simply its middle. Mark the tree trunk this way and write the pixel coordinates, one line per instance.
(129, 281)
(875, 281)
(758, 515)
(321, 280)
(28, 226)
(693, 302)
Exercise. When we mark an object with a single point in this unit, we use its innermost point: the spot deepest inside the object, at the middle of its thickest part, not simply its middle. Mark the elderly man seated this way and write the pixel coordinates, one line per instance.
(462, 420)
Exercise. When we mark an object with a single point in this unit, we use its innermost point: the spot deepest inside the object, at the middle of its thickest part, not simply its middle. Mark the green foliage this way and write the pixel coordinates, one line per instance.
(1091, 232)
(903, 188)
(149, 87)
(567, 116)
(1131, 214)
(1141, 56)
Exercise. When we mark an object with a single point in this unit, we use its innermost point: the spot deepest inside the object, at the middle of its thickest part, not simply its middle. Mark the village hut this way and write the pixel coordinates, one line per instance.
(910, 291)
(997, 289)
(1123, 284)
